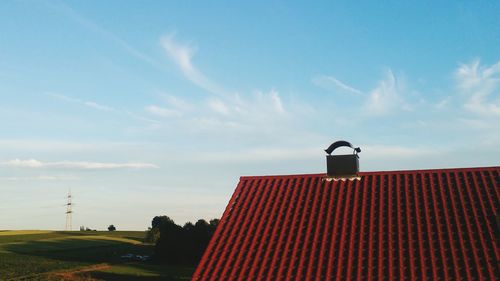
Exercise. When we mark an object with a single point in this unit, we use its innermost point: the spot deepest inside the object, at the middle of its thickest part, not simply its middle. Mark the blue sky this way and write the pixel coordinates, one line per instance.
(157, 107)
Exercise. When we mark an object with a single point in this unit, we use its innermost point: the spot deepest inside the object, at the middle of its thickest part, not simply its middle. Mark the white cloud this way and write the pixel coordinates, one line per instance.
(182, 55)
(386, 97)
(442, 104)
(218, 106)
(101, 107)
(104, 33)
(98, 106)
(33, 163)
(177, 102)
(478, 124)
(250, 113)
(212, 124)
(481, 86)
(276, 101)
(162, 112)
(241, 112)
(326, 81)
(90, 104)
(141, 118)
(270, 102)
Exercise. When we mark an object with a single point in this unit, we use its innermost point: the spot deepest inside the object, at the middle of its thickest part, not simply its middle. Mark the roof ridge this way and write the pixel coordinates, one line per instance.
(377, 172)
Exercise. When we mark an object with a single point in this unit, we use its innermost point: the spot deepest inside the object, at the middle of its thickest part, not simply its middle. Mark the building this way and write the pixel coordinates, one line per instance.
(436, 224)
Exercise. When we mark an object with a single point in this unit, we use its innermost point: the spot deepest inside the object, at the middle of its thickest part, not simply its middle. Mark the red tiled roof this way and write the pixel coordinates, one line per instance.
(395, 225)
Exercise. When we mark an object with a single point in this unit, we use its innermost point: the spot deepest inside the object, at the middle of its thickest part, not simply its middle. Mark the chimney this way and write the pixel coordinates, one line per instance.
(342, 166)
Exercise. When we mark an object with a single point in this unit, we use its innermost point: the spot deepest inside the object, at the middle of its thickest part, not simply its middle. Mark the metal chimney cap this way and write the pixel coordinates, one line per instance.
(341, 143)
(342, 166)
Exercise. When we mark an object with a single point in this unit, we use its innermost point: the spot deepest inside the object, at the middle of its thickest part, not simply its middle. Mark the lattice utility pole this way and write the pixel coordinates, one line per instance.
(69, 212)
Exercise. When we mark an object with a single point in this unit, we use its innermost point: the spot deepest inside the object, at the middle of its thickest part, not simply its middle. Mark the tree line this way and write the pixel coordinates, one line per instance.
(175, 244)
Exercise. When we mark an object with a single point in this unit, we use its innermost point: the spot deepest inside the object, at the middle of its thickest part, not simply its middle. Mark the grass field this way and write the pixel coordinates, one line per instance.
(85, 255)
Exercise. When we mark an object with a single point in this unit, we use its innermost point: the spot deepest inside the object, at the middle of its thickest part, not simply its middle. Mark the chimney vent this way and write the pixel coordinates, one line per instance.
(342, 166)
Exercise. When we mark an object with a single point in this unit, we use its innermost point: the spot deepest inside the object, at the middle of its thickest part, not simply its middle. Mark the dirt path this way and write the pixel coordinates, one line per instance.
(75, 274)
(68, 274)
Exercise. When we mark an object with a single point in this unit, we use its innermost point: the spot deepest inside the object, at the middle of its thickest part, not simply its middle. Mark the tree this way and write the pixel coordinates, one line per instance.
(180, 245)
(111, 228)
(153, 232)
(169, 246)
(152, 235)
(214, 223)
(158, 221)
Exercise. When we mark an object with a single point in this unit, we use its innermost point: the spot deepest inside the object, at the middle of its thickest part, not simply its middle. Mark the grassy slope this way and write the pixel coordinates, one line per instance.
(32, 254)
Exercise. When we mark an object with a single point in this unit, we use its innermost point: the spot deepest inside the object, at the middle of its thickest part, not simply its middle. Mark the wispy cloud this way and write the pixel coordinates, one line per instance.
(98, 106)
(152, 109)
(177, 102)
(442, 104)
(90, 104)
(234, 111)
(328, 81)
(162, 112)
(481, 85)
(33, 163)
(218, 106)
(182, 55)
(104, 33)
(269, 102)
(226, 110)
(386, 96)
(276, 101)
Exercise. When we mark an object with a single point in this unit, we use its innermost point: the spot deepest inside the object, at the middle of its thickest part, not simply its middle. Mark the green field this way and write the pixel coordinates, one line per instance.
(80, 255)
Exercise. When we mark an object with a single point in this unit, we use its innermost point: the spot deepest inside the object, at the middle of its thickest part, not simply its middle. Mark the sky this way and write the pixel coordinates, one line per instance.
(145, 108)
